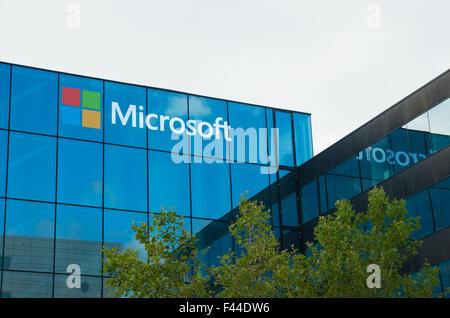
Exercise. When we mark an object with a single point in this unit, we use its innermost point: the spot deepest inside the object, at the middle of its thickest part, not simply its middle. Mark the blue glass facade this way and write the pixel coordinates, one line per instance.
(83, 158)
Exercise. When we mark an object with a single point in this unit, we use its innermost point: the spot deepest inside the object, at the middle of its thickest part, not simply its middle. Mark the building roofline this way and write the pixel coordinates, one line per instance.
(414, 104)
(153, 87)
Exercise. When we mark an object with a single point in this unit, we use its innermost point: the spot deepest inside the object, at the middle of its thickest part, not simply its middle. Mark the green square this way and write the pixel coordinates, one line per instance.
(91, 99)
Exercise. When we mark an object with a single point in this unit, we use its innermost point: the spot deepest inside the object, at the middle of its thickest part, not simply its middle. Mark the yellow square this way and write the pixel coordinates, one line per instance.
(91, 119)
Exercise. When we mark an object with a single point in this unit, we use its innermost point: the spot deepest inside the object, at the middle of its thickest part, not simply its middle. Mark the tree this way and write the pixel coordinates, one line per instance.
(173, 268)
(348, 242)
(261, 268)
(345, 245)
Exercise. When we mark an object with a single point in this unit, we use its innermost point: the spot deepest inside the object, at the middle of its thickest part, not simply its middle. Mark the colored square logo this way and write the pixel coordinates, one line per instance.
(91, 99)
(71, 96)
(91, 119)
(71, 115)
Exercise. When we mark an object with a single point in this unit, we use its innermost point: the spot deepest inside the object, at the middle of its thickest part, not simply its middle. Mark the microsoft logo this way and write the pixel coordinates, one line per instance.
(81, 107)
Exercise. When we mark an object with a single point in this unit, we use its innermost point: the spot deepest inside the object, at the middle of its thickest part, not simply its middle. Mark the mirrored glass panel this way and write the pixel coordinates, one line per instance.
(169, 182)
(125, 178)
(29, 235)
(303, 138)
(80, 172)
(210, 184)
(167, 107)
(4, 94)
(78, 239)
(247, 179)
(26, 285)
(32, 167)
(118, 231)
(34, 100)
(91, 287)
(209, 140)
(310, 202)
(248, 134)
(3, 154)
(126, 109)
(439, 125)
(283, 123)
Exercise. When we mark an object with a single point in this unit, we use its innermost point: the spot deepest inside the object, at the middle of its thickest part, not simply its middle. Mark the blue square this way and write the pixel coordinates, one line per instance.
(71, 115)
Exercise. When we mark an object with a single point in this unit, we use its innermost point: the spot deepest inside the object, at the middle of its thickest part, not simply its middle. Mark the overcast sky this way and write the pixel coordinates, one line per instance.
(342, 61)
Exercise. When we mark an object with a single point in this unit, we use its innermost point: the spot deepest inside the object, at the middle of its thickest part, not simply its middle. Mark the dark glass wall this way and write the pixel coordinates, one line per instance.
(80, 161)
(406, 146)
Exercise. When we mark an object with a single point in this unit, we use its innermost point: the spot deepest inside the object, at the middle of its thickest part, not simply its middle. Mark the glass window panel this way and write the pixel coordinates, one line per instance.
(118, 231)
(323, 195)
(400, 157)
(444, 268)
(419, 123)
(289, 214)
(91, 287)
(377, 161)
(125, 95)
(368, 183)
(310, 202)
(440, 200)
(289, 210)
(303, 138)
(32, 167)
(81, 107)
(218, 247)
(168, 183)
(27, 285)
(419, 205)
(2, 218)
(419, 143)
(282, 173)
(3, 152)
(273, 204)
(125, 178)
(246, 121)
(78, 239)
(199, 224)
(4, 94)
(210, 184)
(80, 172)
(339, 188)
(167, 104)
(274, 160)
(29, 235)
(286, 154)
(247, 177)
(439, 126)
(348, 168)
(34, 99)
(202, 109)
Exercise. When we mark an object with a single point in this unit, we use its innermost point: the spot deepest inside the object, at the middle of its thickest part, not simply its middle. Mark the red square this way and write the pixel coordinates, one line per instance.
(71, 96)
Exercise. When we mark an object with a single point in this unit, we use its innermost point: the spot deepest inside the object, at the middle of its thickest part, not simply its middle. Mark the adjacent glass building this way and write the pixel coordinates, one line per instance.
(82, 158)
(405, 150)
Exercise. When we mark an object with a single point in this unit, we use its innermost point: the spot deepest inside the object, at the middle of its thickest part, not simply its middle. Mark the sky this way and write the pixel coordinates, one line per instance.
(342, 61)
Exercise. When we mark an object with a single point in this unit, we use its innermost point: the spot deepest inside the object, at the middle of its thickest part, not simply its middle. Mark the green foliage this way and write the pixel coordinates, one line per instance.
(262, 267)
(346, 243)
(173, 268)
